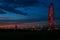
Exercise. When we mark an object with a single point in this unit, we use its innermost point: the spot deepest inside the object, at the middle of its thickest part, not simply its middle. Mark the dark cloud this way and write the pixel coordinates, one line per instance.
(26, 2)
(22, 2)
(10, 5)
(10, 9)
(2, 12)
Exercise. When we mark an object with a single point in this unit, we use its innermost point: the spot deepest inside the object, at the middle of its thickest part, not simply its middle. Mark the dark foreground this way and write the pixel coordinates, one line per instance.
(29, 34)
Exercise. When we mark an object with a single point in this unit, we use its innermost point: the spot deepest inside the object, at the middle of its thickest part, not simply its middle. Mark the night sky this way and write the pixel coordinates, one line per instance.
(28, 9)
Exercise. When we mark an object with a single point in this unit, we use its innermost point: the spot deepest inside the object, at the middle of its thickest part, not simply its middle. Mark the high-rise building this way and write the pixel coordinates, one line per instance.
(51, 16)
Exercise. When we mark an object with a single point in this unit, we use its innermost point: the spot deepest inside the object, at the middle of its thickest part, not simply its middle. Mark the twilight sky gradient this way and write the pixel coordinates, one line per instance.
(35, 9)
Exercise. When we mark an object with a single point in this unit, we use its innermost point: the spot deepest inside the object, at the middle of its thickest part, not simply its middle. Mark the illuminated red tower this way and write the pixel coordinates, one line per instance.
(51, 16)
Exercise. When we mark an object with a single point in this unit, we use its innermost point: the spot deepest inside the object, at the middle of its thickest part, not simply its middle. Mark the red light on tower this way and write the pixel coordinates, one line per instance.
(51, 15)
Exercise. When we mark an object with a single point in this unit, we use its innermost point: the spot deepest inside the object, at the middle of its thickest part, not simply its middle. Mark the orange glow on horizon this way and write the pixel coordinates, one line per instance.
(9, 26)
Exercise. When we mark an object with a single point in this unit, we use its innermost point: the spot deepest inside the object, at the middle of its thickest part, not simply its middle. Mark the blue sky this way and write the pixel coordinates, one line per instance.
(35, 9)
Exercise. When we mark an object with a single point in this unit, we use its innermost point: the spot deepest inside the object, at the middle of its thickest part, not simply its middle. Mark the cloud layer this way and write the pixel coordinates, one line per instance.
(31, 8)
